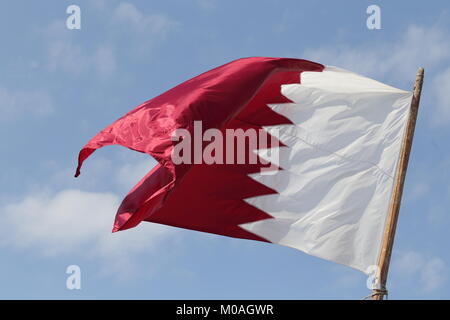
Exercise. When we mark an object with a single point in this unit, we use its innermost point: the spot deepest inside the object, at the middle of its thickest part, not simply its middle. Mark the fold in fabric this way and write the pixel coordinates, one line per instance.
(339, 136)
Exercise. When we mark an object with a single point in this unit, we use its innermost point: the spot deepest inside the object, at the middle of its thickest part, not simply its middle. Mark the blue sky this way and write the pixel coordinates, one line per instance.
(59, 87)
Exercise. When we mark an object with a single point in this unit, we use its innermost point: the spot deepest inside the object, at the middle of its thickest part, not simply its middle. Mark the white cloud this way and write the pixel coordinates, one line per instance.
(129, 174)
(409, 263)
(419, 190)
(437, 213)
(128, 29)
(349, 279)
(56, 29)
(59, 222)
(58, 219)
(441, 88)
(104, 61)
(139, 31)
(73, 59)
(67, 57)
(77, 223)
(64, 53)
(16, 103)
(426, 273)
(118, 173)
(433, 275)
(397, 59)
(207, 5)
(98, 4)
(128, 16)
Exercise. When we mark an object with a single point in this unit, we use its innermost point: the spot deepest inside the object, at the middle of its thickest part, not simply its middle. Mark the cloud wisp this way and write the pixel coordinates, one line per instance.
(18, 103)
(77, 223)
(397, 61)
(426, 273)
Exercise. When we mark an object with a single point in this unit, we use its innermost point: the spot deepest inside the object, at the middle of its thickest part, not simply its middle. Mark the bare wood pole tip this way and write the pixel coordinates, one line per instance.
(394, 207)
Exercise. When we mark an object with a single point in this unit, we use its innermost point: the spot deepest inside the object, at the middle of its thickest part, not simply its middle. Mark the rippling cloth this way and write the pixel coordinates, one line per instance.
(338, 138)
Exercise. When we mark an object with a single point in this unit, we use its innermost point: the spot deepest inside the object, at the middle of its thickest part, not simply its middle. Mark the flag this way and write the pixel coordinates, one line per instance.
(280, 150)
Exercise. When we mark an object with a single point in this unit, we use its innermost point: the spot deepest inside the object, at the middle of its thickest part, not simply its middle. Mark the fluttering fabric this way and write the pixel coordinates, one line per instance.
(338, 138)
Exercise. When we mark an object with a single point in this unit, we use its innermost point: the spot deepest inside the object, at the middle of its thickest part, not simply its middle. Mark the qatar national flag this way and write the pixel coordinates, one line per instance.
(328, 143)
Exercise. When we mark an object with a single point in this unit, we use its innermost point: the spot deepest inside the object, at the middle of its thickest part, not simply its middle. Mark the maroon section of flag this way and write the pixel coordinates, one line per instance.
(203, 197)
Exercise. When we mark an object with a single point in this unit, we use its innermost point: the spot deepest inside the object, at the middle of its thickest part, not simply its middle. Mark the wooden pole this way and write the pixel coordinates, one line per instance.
(394, 207)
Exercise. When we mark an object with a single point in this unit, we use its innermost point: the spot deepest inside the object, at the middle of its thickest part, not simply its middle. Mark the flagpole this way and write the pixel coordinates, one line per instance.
(389, 232)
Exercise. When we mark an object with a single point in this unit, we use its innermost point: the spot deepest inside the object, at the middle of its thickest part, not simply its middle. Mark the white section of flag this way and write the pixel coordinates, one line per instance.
(338, 166)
